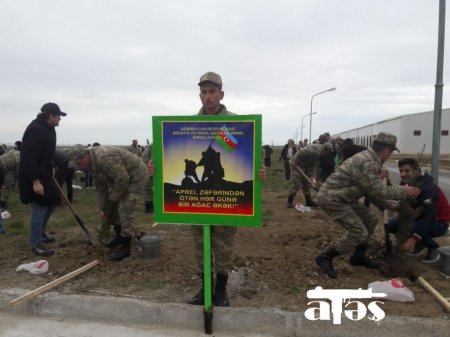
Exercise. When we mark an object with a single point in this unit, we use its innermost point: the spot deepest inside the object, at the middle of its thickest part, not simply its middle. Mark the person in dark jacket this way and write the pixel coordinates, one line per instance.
(350, 149)
(288, 151)
(431, 209)
(36, 184)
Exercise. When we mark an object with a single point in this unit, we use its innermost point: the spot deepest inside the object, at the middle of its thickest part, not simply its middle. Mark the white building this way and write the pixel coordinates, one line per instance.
(414, 132)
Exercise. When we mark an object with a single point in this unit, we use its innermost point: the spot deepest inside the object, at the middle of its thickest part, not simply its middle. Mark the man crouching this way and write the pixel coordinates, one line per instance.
(119, 178)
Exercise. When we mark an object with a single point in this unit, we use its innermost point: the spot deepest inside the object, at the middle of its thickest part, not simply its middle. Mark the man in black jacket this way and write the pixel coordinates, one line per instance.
(36, 184)
(288, 151)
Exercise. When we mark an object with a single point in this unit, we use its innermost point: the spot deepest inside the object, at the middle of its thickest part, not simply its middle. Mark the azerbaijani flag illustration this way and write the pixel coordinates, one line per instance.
(226, 139)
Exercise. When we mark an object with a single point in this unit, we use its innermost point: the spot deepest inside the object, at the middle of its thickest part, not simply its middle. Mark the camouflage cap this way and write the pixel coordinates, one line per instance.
(388, 139)
(211, 77)
(75, 152)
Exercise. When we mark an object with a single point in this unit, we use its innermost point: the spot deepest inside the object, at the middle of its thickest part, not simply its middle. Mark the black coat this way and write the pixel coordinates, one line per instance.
(36, 162)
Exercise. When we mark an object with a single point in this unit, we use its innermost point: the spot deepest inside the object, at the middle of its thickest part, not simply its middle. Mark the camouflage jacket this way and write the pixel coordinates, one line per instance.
(222, 111)
(10, 160)
(358, 176)
(115, 172)
(308, 158)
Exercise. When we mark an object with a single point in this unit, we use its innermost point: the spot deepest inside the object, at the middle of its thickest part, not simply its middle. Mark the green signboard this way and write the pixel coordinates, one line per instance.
(207, 170)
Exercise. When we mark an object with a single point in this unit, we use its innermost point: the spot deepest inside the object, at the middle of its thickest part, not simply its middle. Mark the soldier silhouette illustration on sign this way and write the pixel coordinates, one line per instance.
(212, 167)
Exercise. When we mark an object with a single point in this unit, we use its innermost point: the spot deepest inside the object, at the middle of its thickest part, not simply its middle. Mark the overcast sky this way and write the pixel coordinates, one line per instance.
(112, 65)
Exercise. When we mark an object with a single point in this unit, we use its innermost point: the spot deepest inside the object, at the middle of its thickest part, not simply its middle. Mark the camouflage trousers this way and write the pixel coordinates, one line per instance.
(122, 214)
(357, 220)
(298, 181)
(148, 191)
(222, 240)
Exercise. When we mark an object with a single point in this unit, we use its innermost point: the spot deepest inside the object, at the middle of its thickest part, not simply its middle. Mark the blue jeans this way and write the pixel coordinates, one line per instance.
(438, 229)
(39, 217)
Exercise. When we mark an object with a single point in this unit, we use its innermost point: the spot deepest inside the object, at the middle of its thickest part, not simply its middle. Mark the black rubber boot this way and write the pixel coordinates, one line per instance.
(290, 202)
(115, 241)
(124, 251)
(199, 298)
(220, 291)
(324, 261)
(149, 206)
(359, 258)
(309, 201)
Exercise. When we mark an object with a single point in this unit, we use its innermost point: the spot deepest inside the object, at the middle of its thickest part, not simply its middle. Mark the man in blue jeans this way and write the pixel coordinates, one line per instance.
(36, 185)
(431, 209)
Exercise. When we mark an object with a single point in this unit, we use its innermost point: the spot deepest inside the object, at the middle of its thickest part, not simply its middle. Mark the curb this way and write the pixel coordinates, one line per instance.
(270, 321)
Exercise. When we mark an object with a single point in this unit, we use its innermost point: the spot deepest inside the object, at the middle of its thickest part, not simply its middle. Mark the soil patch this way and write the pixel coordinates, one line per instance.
(274, 264)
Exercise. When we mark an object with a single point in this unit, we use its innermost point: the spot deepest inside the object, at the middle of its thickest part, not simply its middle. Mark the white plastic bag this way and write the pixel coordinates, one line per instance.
(5, 215)
(304, 209)
(394, 289)
(39, 267)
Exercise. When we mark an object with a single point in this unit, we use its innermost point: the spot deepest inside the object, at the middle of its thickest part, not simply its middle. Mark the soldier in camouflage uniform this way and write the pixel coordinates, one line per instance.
(307, 159)
(119, 178)
(338, 197)
(148, 191)
(10, 163)
(222, 237)
(133, 148)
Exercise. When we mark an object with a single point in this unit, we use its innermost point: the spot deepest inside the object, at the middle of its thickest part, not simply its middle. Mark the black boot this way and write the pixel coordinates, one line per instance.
(124, 250)
(309, 201)
(220, 291)
(199, 298)
(359, 258)
(115, 241)
(324, 261)
(149, 206)
(290, 202)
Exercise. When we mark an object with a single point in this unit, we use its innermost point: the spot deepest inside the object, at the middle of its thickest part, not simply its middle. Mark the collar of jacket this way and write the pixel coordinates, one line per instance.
(376, 158)
(42, 122)
(222, 109)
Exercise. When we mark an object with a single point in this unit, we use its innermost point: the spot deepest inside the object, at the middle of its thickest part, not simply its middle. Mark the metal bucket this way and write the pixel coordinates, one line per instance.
(445, 259)
(151, 246)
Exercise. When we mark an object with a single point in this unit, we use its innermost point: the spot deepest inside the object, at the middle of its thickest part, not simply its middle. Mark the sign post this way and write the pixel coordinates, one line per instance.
(209, 176)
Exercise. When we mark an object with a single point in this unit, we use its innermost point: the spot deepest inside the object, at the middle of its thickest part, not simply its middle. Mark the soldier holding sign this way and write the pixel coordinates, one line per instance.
(222, 237)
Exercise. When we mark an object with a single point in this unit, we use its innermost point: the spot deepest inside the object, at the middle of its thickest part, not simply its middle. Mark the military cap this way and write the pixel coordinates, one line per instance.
(211, 77)
(75, 152)
(387, 139)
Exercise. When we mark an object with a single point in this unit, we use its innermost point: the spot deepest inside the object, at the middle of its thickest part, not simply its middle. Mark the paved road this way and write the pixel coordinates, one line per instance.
(26, 326)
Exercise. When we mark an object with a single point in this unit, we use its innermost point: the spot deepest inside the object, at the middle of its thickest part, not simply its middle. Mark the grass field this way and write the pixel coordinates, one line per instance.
(85, 205)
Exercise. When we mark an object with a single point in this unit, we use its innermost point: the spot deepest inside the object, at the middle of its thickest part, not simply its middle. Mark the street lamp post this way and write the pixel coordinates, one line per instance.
(310, 111)
(305, 125)
(296, 132)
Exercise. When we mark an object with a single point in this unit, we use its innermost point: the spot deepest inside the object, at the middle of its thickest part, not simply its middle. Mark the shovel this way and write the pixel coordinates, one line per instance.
(307, 178)
(85, 230)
